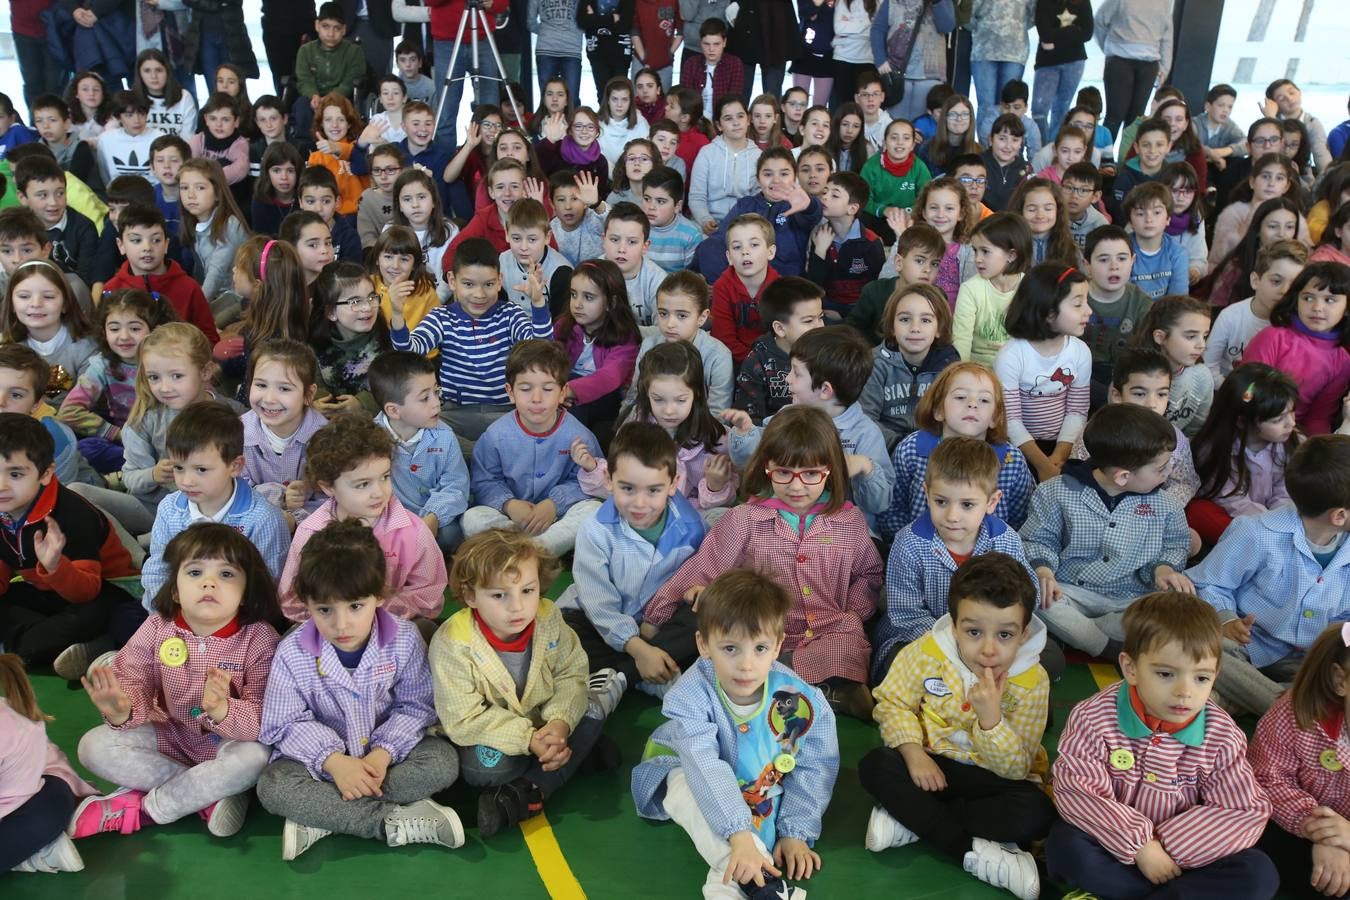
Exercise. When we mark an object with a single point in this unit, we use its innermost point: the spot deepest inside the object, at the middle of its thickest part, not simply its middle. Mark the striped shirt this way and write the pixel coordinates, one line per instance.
(473, 349)
(166, 690)
(1299, 768)
(673, 245)
(1192, 791)
(1046, 397)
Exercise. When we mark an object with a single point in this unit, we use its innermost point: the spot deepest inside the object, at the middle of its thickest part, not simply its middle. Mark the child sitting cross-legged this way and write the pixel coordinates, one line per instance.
(1278, 578)
(636, 541)
(1152, 782)
(799, 524)
(1102, 533)
(960, 486)
(962, 711)
(348, 705)
(523, 474)
(430, 477)
(205, 449)
(350, 460)
(747, 758)
(511, 685)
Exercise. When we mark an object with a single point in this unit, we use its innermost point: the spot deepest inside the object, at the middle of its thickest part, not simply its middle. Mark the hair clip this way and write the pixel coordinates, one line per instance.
(262, 263)
(1067, 272)
(1249, 393)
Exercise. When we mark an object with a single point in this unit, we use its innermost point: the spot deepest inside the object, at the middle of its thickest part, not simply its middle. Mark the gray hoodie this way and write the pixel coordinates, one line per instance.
(555, 21)
(721, 176)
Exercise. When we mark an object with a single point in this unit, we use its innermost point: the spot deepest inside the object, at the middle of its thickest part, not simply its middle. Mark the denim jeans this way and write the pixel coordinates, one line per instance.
(990, 76)
(211, 53)
(489, 89)
(1052, 93)
(566, 67)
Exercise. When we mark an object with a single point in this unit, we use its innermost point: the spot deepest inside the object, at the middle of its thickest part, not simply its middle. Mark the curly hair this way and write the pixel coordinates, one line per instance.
(343, 444)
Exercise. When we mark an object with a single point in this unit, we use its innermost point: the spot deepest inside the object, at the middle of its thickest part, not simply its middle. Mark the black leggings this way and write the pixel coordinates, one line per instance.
(38, 624)
(676, 637)
(36, 823)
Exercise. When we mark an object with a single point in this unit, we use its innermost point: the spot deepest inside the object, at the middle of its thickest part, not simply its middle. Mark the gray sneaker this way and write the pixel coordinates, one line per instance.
(73, 662)
(297, 838)
(424, 822)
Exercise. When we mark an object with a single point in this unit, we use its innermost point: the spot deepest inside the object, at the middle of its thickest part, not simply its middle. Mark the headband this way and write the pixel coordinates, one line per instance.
(39, 262)
(1065, 274)
(262, 263)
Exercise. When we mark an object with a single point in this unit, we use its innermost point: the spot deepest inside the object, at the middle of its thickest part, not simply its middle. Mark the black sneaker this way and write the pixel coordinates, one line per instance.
(774, 889)
(506, 805)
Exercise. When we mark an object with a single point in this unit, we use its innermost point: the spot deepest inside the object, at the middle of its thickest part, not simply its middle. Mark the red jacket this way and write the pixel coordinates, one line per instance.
(445, 15)
(179, 288)
(735, 314)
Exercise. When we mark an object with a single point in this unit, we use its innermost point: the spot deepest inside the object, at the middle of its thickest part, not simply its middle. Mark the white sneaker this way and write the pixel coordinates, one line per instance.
(104, 661)
(424, 822)
(606, 687)
(225, 817)
(1004, 866)
(884, 832)
(58, 856)
(714, 889)
(73, 662)
(297, 838)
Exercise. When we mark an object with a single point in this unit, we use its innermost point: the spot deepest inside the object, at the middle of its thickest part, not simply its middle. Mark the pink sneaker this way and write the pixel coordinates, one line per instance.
(118, 812)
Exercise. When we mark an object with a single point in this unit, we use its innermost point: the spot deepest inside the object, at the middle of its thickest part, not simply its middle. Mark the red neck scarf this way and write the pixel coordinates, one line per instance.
(1153, 723)
(898, 169)
(519, 645)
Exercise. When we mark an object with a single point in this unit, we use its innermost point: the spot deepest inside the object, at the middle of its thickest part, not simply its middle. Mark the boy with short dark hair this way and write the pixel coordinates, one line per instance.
(961, 489)
(751, 246)
(42, 188)
(527, 233)
(710, 71)
(845, 256)
(633, 544)
(1161, 264)
(51, 118)
(1120, 836)
(523, 475)
(168, 152)
(1005, 163)
(125, 191)
(474, 335)
(937, 95)
(505, 185)
(971, 170)
(962, 713)
(13, 133)
(330, 65)
(429, 473)
(126, 150)
(1118, 305)
(869, 92)
(1082, 189)
(576, 226)
(144, 243)
(681, 312)
(408, 59)
(829, 367)
(24, 376)
(317, 191)
(1102, 533)
(1152, 141)
(717, 768)
(791, 307)
(1280, 578)
(918, 256)
(205, 446)
(24, 237)
(63, 548)
(674, 237)
(1014, 99)
(1277, 265)
(626, 238)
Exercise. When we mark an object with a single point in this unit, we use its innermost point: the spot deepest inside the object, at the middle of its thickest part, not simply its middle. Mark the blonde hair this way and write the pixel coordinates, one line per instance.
(18, 690)
(484, 557)
(171, 338)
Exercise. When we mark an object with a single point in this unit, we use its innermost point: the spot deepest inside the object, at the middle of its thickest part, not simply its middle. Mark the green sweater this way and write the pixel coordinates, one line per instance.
(866, 313)
(888, 190)
(320, 71)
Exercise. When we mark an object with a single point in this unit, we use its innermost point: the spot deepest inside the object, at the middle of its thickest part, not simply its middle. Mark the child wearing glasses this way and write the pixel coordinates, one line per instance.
(347, 332)
(799, 524)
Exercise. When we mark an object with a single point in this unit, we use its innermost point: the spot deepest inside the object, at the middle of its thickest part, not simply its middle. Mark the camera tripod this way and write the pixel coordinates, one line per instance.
(474, 15)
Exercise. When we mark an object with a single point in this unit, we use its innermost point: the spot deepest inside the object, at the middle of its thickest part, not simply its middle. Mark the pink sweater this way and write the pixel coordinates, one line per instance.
(26, 755)
(613, 365)
(1319, 365)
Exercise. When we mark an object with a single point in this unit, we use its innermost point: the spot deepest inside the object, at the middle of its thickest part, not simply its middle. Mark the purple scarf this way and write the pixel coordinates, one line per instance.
(572, 153)
(1178, 224)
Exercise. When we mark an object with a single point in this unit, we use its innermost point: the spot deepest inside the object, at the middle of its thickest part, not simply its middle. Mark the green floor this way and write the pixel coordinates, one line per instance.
(611, 852)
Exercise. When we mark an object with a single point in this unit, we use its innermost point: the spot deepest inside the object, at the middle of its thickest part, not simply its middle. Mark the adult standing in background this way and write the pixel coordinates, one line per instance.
(1136, 36)
(998, 53)
(922, 51)
(694, 13)
(852, 47)
(764, 34)
(286, 24)
(41, 73)
(371, 24)
(813, 70)
(1064, 27)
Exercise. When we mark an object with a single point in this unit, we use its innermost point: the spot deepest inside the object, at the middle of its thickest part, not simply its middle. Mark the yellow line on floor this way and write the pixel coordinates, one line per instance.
(557, 876)
(1104, 674)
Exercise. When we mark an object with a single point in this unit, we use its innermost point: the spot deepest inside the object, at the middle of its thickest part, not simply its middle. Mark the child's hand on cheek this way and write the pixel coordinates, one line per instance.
(797, 860)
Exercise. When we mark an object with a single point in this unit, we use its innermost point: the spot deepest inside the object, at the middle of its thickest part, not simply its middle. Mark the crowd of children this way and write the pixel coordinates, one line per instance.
(830, 409)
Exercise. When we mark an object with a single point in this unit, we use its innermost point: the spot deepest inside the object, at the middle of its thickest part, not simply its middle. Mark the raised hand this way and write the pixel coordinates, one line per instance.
(717, 472)
(588, 187)
(739, 420)
(49, 544)
(581, 455)
(216, 694)
(534, 189)
(533, 286)
(107, 695)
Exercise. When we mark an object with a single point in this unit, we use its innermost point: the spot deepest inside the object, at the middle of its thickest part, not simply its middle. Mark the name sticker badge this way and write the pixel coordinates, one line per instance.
(937, 687)
(1121, 760)
(173, 652)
